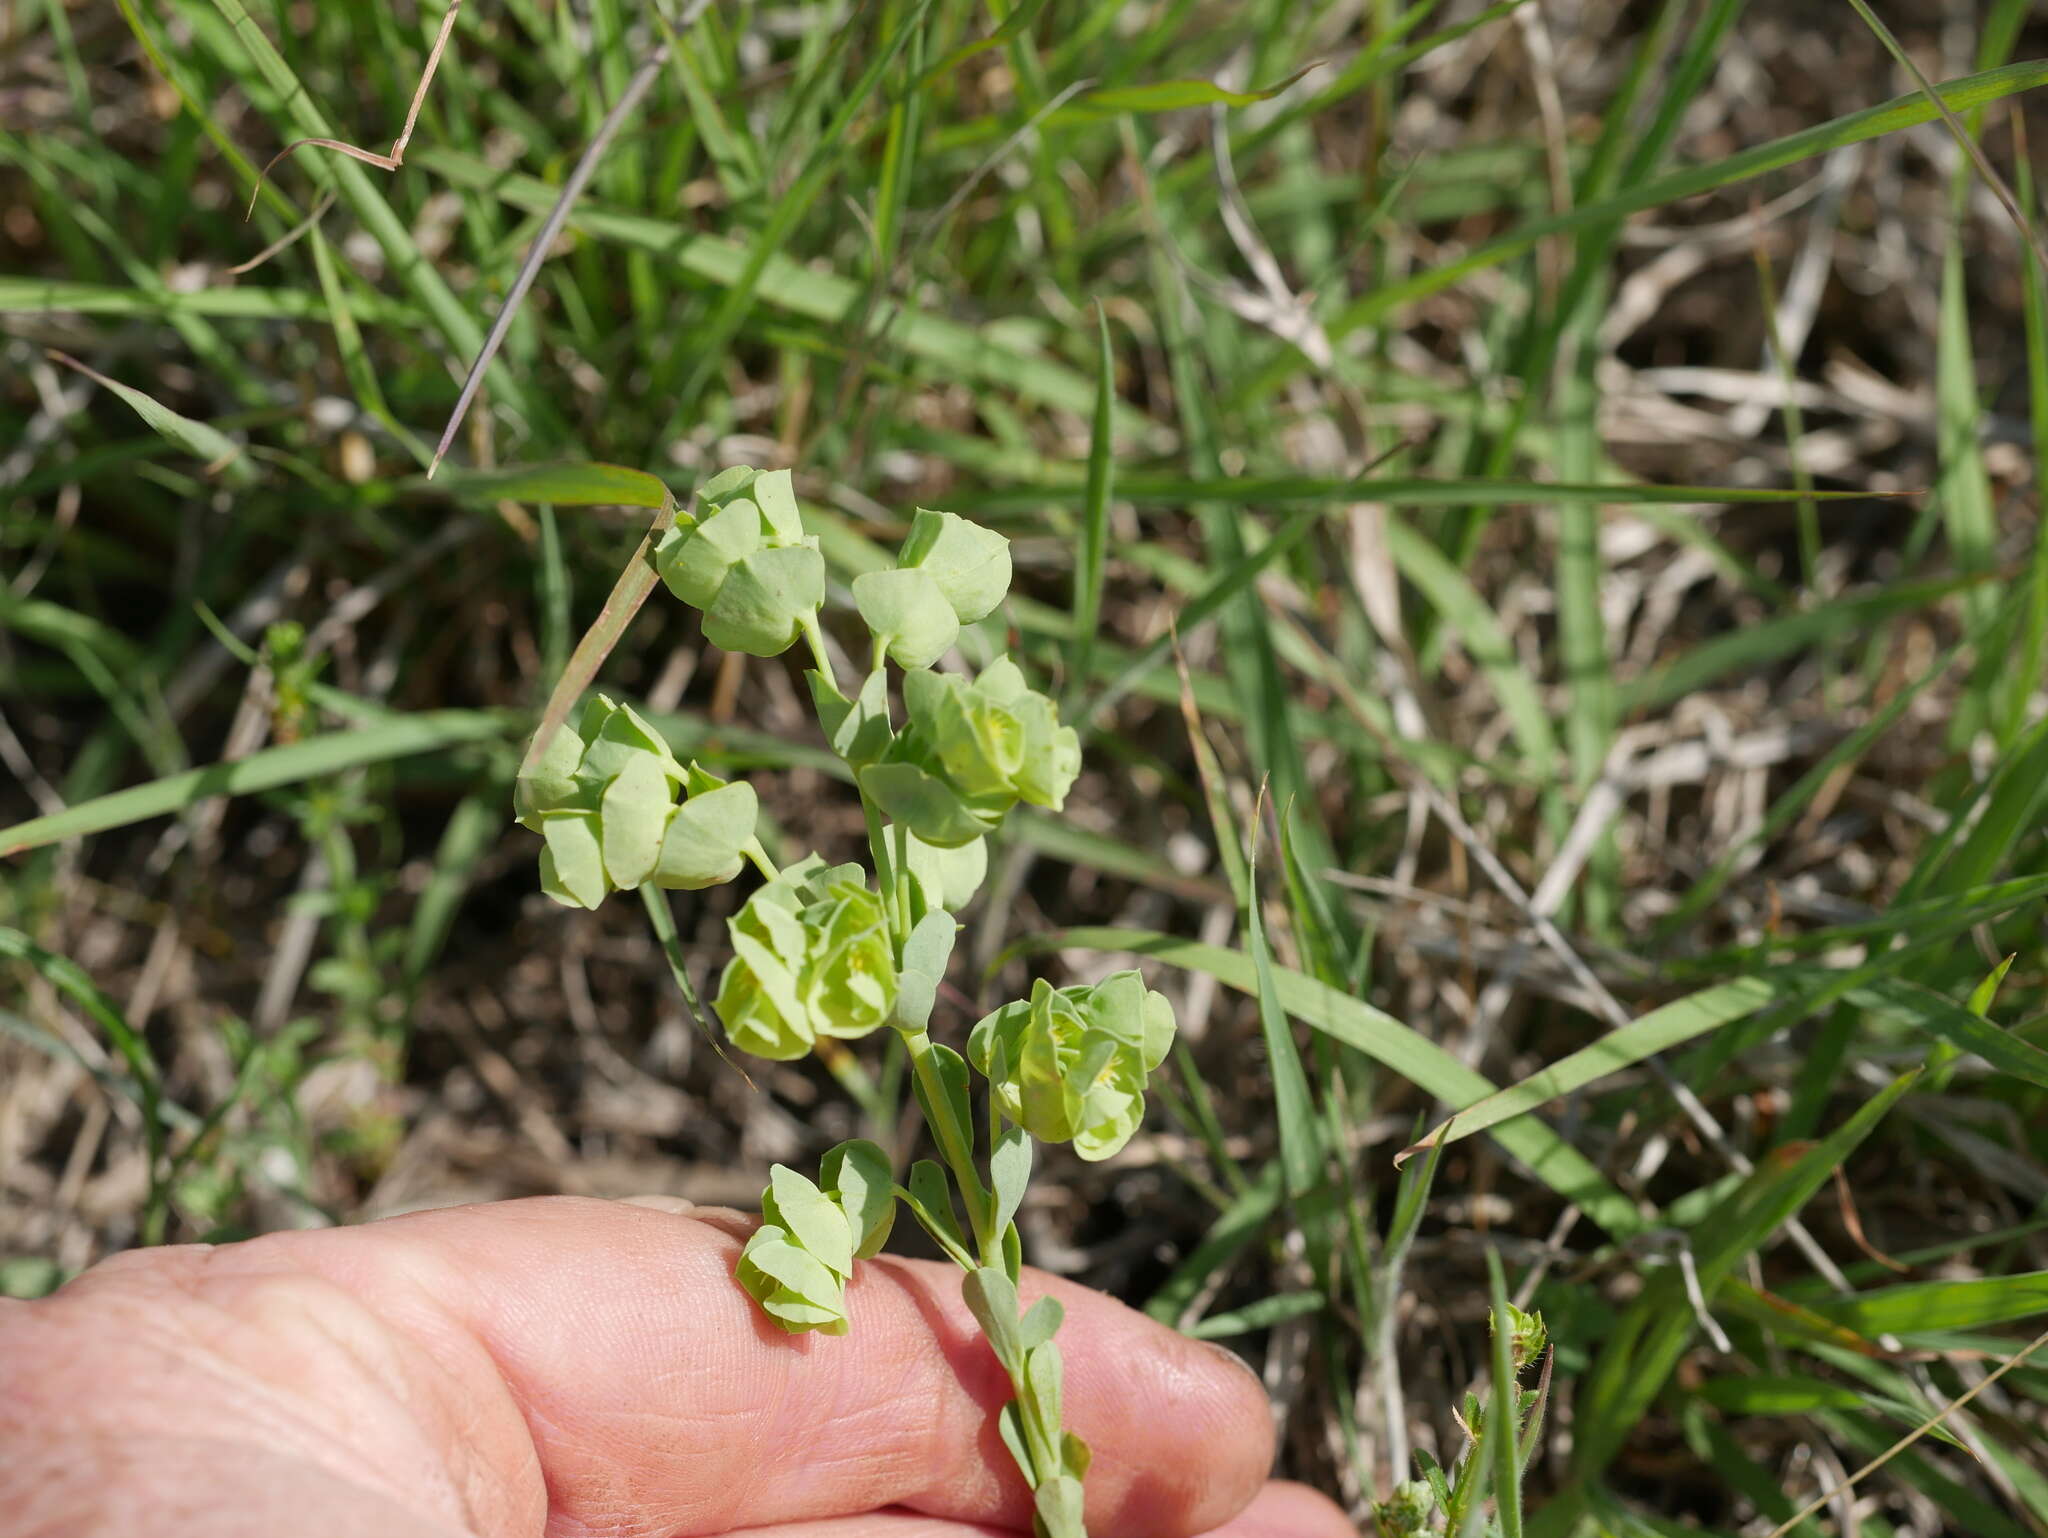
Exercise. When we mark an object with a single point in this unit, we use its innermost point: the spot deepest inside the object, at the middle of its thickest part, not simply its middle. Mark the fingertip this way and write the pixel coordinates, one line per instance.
(1285, 1509)
(676, 1206)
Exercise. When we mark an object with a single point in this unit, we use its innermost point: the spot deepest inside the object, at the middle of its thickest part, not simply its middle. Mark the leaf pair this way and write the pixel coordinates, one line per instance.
(949, 573)
(747, 566)
(797, 1263)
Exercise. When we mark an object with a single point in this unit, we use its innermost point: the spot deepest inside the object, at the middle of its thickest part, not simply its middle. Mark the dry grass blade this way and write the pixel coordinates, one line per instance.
(396, 158)
(297, 233)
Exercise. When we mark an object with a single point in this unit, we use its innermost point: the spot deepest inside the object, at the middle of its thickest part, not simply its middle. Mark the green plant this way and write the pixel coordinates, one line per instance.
(1454, 1501)
(837, 951)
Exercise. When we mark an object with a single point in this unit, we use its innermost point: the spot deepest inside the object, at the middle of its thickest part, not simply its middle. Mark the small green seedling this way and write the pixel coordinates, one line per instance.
(840, 951)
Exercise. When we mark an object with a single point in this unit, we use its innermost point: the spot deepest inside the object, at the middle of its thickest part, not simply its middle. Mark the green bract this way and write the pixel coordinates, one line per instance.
(603, 795)
(970, 752)
(811, 958)
(969, 565)
(797, 1263)
(747, 565)
(950, 573)
(1071, 1064)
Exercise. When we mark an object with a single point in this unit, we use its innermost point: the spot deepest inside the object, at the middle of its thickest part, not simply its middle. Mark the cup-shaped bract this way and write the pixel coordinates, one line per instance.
(907, 614)
(969, 565)
(604, 796)
(970, 752)
(811, 958)
(746, 564)
(1070, 1064)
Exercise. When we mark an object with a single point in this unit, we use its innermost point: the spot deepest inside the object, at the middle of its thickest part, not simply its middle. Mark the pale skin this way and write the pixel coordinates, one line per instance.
(570, 1367)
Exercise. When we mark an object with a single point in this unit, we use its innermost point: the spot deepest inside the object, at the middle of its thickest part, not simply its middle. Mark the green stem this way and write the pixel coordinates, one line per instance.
(878, 846)
(901, 885)
(956, 1147)
(757, 854)
(814, 637)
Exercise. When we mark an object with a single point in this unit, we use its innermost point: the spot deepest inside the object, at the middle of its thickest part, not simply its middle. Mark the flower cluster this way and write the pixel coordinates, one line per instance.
(796, 1264)
(1070, 1064)
(747, 564)
(811, 957)
(970, 752)
(604, 796)
(822, 952)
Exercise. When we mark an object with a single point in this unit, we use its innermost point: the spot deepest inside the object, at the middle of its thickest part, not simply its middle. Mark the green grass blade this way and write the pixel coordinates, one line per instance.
(1301, 1152)
(1091, 565)
(1917, 1306)
(403, 736)
(1679, 1021)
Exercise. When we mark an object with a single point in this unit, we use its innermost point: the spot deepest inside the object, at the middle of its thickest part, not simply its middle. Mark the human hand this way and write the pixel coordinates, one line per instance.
(563, 1366)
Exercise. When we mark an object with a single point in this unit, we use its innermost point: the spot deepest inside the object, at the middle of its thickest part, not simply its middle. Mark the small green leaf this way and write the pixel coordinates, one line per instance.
(929, 1196)
(867, 735)
(1045, 1378)
(908, 615)
(550, 781)
(857, 1174)
(1011, 1424)
(926, 805)
(969, 564)
(1009, 1172)
(925, 955)
(812, 1218)
(992, 1297)
(694, 559)
(948, 878)
(1058, 1503)
(1041, 1322)
(1074, 1453)
(572, 865)
(775, 495)
(764, 600)
(633, 819)
(793, 1287)
(707, 838)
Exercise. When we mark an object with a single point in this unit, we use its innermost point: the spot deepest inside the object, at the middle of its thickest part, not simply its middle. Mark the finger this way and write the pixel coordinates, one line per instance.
(1280, 1510)
(603, 1359)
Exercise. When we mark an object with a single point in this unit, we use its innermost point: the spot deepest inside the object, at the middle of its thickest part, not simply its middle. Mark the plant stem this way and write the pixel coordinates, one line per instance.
(814, 637)
(955, 1145)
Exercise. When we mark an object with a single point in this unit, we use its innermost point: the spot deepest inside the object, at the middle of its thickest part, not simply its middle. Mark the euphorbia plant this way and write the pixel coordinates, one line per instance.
(842, 951)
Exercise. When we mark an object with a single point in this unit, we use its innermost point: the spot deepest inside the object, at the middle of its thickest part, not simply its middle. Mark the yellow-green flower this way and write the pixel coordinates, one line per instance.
(811, 958)
(970, 752)
(1070, 1064)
